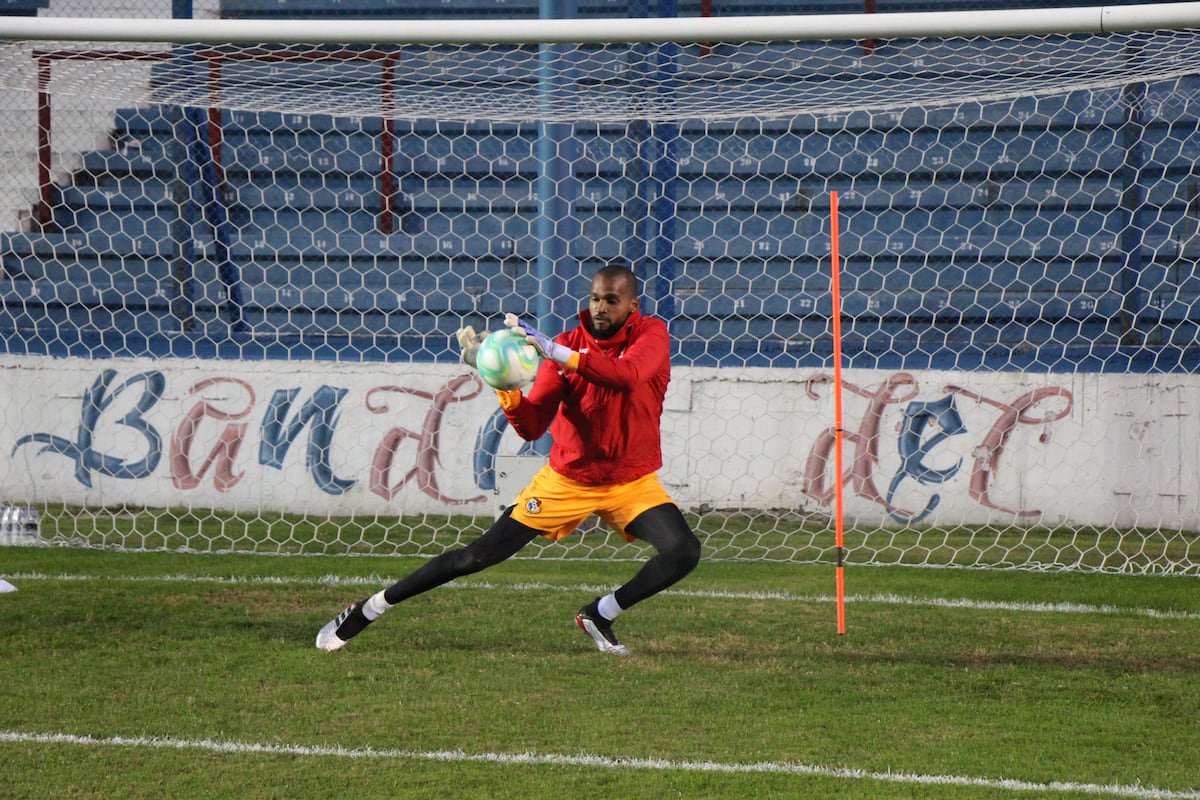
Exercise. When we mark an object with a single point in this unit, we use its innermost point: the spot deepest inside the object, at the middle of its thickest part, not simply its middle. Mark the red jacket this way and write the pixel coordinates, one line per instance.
(604, 416)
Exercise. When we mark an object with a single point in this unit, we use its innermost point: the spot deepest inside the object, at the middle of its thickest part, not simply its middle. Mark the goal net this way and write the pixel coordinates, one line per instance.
(230, 286)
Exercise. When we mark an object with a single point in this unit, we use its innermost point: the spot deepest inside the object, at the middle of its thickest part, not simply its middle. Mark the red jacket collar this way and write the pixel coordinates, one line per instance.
(621, 339)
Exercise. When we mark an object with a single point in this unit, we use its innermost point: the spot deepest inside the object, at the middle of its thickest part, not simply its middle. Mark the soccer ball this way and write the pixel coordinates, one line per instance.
(506, 361)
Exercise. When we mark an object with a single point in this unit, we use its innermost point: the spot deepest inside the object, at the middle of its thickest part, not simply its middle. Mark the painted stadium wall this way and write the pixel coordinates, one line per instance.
(351, 438)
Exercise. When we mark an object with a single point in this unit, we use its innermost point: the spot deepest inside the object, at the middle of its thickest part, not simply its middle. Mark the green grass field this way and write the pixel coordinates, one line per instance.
(140, 675)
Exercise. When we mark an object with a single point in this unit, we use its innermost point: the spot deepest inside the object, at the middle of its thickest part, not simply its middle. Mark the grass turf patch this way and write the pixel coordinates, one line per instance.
(943, 674)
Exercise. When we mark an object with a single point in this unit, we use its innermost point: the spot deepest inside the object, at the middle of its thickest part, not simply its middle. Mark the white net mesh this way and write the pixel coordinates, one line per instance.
(605, 83)
(228, 317)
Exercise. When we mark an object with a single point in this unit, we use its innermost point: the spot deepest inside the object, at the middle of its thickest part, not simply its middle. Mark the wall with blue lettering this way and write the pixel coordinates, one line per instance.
(925, 447)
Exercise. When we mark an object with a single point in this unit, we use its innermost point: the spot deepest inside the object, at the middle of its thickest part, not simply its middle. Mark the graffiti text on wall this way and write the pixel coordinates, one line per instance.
(924, 428)
(285, 421)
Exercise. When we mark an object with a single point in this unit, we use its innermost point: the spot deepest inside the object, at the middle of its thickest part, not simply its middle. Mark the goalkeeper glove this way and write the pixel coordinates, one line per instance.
(546, 347)
(469, 341)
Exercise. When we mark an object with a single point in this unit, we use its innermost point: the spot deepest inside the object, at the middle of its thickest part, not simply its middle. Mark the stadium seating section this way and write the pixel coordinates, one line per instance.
(961, 241)
(22, 8)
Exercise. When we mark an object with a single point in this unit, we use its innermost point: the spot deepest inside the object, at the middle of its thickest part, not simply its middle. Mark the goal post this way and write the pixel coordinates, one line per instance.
(689, 30)
(230, 289)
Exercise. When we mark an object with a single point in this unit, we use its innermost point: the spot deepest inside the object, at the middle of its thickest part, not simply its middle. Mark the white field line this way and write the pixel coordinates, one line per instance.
(380, 582)
(597, 762)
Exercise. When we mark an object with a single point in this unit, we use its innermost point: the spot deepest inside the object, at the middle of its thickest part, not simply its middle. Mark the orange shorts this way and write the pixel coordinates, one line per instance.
(556, 505)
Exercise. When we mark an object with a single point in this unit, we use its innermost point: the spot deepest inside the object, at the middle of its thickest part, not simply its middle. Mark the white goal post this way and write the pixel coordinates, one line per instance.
(763, 28)
(228, 325)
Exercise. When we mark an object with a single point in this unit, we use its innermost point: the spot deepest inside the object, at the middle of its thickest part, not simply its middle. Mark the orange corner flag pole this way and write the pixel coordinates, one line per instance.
(838, 492)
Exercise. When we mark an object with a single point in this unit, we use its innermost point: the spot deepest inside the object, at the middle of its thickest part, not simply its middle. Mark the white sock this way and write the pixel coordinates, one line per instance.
(608, 607)
(375, 606)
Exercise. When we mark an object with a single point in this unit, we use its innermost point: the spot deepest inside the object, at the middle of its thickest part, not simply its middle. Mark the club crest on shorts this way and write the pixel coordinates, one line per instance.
(533, 506)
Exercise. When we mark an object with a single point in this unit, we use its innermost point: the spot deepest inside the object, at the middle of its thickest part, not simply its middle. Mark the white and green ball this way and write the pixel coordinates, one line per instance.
(506, 361)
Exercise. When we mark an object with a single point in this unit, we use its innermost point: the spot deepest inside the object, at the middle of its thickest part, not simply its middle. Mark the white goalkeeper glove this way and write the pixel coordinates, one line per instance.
(469, 341)
(546, 347)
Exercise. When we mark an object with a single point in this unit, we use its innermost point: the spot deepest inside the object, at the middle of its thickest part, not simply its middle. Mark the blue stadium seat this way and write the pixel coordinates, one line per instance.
(142, 122)
(1175, 100)
(130, 163)
(47, 305)
(22, 8)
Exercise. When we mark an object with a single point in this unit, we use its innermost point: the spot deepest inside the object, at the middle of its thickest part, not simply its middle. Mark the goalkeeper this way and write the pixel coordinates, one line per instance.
(599, 391)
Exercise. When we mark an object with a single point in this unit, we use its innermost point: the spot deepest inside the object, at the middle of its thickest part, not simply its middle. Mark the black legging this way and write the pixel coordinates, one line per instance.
(663, 527)
(678, 553)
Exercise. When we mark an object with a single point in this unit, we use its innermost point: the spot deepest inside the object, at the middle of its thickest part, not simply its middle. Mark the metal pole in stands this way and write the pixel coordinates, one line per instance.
(386, 222)
(868, 44)
(45, 206)
(839, 484)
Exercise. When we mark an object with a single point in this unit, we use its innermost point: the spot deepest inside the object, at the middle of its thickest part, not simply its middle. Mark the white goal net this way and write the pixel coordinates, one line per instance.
(228, 297)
